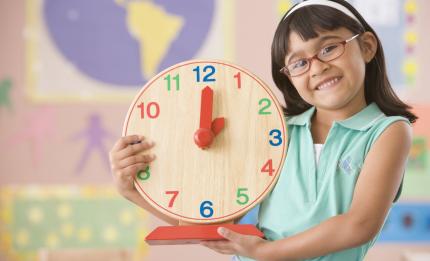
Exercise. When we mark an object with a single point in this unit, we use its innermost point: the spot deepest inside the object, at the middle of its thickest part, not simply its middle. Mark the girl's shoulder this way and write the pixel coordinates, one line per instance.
(385, 122)
(300, 119)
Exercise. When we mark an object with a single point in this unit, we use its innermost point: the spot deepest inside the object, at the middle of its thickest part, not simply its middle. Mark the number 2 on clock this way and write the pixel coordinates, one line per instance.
(263, 111)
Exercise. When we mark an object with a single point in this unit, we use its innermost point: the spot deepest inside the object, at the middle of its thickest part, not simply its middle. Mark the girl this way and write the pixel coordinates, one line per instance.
(349, 138)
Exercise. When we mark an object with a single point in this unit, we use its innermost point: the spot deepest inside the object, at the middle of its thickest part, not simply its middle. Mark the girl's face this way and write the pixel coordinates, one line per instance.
(332, 85)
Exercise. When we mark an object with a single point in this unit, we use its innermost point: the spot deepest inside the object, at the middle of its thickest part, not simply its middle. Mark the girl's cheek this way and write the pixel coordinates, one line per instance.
(304, 92)
(301, 85)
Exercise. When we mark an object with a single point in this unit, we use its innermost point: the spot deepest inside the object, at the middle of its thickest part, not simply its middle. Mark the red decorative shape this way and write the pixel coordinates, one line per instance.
(178, 235)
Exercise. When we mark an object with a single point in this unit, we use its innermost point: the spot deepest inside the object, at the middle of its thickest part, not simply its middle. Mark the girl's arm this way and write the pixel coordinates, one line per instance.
(374, 193)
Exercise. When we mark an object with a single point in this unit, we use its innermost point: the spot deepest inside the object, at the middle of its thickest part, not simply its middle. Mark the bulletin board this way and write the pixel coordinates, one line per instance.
(68, 217)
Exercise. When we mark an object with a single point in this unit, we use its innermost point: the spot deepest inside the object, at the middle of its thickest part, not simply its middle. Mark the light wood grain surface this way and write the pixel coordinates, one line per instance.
(233, 161)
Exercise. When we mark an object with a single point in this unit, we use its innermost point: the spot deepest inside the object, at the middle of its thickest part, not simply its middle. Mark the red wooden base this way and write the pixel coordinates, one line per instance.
(177, 235)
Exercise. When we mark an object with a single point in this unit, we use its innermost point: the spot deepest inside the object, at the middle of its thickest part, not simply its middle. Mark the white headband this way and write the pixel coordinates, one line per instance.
(331, 4)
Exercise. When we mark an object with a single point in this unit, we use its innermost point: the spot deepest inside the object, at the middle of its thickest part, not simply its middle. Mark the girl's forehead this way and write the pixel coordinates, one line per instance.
(297, 43)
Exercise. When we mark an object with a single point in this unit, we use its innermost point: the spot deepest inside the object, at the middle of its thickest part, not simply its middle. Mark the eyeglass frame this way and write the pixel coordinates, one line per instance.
(285, 71)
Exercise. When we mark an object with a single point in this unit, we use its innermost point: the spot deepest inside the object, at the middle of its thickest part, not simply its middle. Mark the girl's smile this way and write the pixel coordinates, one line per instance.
(328, 83)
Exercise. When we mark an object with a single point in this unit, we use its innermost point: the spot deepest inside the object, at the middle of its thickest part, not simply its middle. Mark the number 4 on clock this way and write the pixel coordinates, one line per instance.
(268, 167)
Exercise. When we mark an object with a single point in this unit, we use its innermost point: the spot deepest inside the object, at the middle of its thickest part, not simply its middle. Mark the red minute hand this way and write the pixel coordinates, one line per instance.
(206, 108)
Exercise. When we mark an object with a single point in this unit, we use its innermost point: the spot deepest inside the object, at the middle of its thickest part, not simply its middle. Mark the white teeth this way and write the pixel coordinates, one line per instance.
(328, 84)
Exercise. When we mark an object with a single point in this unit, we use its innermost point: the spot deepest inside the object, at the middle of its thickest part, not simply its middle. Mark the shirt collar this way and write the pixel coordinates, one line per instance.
(303, 118)
(361, 121)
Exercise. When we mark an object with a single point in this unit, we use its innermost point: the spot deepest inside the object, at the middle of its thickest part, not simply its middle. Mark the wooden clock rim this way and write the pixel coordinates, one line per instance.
(243, 210)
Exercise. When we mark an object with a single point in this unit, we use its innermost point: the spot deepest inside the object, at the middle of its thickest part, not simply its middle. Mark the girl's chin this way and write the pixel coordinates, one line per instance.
(332, 104)
(334, 100)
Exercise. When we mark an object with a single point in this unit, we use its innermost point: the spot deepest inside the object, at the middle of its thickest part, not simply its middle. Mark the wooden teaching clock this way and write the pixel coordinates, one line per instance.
(220, 141)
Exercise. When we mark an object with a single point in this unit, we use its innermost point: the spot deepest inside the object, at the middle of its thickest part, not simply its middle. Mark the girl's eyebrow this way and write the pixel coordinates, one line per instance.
(319, 41)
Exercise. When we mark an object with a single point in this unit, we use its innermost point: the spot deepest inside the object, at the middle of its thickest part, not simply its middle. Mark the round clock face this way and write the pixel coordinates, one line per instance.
(220, 141)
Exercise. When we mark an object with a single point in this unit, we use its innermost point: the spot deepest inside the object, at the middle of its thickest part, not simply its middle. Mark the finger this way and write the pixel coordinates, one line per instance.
(140, 158)
(131, 171)
(218, 244)
(126, 140)
(227, 252)
(133, 149)
(229, 234)
(222, 246)
(223, 251)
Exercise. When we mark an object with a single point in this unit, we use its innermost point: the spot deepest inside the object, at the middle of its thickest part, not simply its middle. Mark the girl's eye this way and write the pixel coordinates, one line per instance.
(299, 64)
(327, 50)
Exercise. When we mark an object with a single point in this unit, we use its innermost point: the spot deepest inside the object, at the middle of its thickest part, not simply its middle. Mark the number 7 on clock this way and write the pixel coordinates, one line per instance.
(172, 200)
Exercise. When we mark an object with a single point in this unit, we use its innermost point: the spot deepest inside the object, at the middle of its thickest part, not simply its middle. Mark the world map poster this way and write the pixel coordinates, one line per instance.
(105, 50)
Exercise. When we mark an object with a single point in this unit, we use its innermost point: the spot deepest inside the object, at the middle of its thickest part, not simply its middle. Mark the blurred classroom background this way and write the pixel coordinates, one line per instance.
(68, 72)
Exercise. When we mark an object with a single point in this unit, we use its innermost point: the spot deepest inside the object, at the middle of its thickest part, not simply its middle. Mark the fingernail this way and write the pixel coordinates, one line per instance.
(221, 230)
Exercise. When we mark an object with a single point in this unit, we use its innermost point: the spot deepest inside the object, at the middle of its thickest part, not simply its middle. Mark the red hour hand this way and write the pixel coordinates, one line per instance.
(217, 125)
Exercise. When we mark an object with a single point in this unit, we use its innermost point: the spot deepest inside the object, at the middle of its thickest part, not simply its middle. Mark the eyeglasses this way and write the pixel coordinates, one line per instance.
(328, 53)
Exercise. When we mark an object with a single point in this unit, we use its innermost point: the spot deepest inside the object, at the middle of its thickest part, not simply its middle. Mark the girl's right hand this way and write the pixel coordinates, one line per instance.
(127, 160)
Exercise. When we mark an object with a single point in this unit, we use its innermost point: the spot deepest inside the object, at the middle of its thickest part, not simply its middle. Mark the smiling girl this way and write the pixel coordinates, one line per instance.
(349, 138)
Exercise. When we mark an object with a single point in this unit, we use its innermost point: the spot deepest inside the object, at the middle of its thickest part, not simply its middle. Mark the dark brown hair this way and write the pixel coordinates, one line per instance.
(306, 22)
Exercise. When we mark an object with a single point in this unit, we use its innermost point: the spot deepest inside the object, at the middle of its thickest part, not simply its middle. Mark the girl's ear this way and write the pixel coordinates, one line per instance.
(369, 46)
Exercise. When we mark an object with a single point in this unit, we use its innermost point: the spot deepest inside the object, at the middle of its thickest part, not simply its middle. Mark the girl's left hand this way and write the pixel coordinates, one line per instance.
(237, 244)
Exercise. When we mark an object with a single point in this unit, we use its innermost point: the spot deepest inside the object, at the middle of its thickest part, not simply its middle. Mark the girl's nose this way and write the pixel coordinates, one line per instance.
(318, 67)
